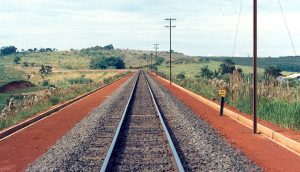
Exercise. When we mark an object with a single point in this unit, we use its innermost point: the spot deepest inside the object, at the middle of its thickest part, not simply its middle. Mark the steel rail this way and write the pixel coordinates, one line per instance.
(115, 138)
(169, 139)
(109, 154)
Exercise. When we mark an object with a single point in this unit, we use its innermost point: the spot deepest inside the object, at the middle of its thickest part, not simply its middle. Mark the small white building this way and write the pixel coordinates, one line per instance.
(293, 76)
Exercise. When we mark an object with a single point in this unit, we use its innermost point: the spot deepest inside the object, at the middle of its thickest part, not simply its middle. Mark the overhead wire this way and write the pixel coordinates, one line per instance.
(287, 27)
(237, 29)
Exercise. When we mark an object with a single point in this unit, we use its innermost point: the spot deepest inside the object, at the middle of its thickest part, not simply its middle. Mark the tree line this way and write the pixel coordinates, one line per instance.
(8, 50)
(287, 63)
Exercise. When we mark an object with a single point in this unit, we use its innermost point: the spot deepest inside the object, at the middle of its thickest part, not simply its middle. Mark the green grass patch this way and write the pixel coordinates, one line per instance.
(38, 107)
(279, 107)
(9, 74)
(192, 69)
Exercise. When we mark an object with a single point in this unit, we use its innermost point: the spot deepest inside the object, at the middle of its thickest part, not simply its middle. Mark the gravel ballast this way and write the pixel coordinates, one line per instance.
(200, 147)
(84, 147)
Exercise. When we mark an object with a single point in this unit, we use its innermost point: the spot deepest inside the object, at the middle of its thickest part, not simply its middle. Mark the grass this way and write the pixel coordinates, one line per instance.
(277, 104)
(9, 74)
(69, 93)
(192, 69)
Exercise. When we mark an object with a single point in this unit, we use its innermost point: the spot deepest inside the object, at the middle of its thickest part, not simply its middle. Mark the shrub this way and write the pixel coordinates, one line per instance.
(17, 60)
(54, 100)
(45, 83)
(25, 64)
(181, 75)
(205, 72)
(107, 62)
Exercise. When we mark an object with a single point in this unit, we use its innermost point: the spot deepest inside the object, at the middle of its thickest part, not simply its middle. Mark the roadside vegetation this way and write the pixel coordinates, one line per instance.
(78, 86)
(54, 77)
(287, 63)
(279, 101)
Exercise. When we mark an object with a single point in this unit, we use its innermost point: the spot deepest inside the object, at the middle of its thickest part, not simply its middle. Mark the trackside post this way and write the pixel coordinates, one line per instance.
(222, 93)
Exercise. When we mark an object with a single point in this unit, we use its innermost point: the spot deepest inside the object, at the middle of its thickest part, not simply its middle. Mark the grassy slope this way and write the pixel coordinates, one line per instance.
(10, 74)
(192, 69)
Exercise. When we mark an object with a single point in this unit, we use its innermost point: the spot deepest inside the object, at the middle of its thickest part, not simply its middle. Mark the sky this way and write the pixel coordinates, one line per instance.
(203, 27)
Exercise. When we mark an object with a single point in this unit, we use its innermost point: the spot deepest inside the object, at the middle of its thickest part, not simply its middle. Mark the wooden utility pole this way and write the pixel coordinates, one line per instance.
(170, 26)
(151, 62)
(156, 48)
(255, 66)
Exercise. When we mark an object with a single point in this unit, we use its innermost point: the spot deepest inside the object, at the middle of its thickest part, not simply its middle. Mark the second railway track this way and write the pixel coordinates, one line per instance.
(142, 141)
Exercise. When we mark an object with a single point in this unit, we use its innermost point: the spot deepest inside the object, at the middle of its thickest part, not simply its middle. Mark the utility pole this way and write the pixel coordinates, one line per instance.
(156, 48)
(255, 66)
(170, 26)
(151, 62)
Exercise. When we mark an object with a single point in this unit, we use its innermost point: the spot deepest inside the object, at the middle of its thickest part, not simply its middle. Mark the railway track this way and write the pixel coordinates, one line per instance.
(142, 141)
(112, 138)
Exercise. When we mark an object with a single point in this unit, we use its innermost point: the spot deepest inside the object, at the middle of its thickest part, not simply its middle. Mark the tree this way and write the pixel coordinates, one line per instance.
(227, 67)
(17, 60)
(205, 72)
(48, 50)
(8, 50)
(272, 71)
(107, 62)
(108, 47)
(160, 60)
(45, 70)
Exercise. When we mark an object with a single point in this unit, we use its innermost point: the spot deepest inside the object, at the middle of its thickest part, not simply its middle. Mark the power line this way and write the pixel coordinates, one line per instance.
(170, 62)
(237, 28)
(287, 27)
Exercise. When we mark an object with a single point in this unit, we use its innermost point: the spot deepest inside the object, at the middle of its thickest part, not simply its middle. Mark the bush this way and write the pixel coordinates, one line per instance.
(45, 70)
(107, 62)
(205, 72)
(45, 83)
(25, 64)
(54, 100)
(17, 60)
(181, 75)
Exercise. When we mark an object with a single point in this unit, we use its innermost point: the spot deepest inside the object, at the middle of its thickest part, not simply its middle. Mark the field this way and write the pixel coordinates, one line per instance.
(192, 69)
(71, 76)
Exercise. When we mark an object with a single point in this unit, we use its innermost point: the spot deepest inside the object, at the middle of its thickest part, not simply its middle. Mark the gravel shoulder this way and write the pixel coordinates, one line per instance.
(79, 149)
(200, 147)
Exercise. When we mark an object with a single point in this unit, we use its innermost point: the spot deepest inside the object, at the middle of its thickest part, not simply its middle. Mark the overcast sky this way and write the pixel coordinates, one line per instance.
(203, 27)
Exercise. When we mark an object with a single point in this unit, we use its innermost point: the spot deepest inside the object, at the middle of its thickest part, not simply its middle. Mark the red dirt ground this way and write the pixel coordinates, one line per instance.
(24, 147)
(267, 154)
(15, 85)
